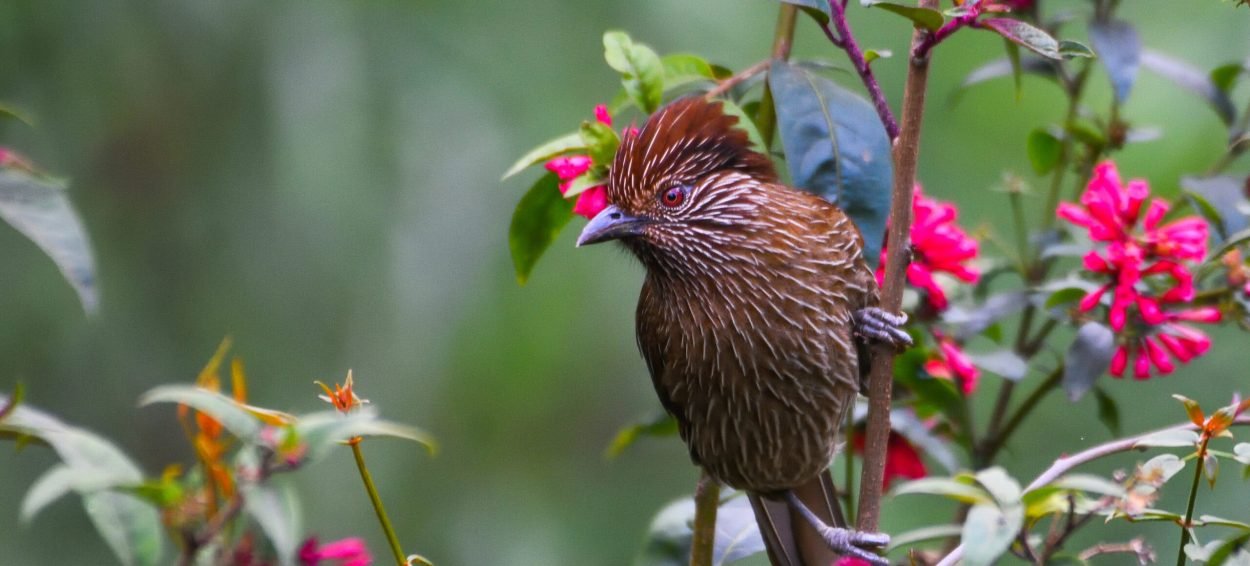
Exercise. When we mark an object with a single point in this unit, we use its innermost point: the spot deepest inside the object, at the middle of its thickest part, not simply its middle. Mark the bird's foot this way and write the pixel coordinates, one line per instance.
(876, 324)
(855, 543)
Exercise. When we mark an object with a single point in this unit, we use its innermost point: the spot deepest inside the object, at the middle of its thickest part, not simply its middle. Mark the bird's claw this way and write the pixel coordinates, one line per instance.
(855, 543)
(876, 324)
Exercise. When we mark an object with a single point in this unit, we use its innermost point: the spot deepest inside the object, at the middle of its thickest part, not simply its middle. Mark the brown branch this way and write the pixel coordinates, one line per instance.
(1137, 546)
(706, 502)
(881, 377)
(724, 86)
(783, 39)
(1066, 464)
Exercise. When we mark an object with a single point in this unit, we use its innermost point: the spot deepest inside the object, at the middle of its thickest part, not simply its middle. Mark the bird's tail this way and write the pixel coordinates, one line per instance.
(790, 540)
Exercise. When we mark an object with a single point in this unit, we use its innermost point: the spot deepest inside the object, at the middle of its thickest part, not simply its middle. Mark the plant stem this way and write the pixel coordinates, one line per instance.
(706, 502)
(1193, 496)
(849, 454)
(995, 443)
(1075, 89)
(921, 50)
(724, 86)
(783, 38)
(1065, 464)
(377, 503)
(842, 36)
(881, 375)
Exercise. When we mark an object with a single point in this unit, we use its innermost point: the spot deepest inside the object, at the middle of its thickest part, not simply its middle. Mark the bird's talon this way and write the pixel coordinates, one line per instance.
(876, 324)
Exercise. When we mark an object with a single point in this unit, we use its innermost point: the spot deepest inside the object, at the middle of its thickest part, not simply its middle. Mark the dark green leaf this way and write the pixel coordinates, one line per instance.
(1025, 35)
(1225, 76)
(1044, 149)
(223, 409)
(601, 141)
(39, 208)
(817, 9)
(1086, 133)
(926, 18)
(1190, 78)
(566, 143)
(871, 55)
(642, 73)
(1235, 546)
(1119, 50)
(536, 222)
(835, 147)
(1065, 296)
(1017, 70)
(662, 424)
(1225, 195)
(1070, 49)
(1088, 357)
(1108, 411)
(988, 532)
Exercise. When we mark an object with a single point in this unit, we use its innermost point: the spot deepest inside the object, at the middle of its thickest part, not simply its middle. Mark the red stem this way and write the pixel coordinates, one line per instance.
(842, 36)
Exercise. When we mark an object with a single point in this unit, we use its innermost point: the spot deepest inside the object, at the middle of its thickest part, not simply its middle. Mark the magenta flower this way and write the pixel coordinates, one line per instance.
(938, 246)
(570, 167)
(348, 552)
(1148, 272)
(950, 362)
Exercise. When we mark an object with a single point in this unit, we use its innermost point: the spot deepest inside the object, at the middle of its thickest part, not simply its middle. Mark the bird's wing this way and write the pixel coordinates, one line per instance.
(651, 345)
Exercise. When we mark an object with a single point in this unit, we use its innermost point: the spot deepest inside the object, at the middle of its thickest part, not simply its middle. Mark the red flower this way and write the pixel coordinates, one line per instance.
(939, 246)
(950, 362)
(1148, 271)
(569, 167)
(901, 458)
(349, 552)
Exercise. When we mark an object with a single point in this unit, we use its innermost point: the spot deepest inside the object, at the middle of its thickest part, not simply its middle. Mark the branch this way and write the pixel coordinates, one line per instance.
(881, 376)
(1066, 464)
(706, 502)
(724, 86)
(783, 38)
(842, 36)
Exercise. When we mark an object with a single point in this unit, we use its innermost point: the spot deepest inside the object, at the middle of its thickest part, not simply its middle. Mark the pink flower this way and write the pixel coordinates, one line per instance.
(349, 552)
(570, 167)
(939, 246)
(1148, 272)
(901, 458)
(950, 362)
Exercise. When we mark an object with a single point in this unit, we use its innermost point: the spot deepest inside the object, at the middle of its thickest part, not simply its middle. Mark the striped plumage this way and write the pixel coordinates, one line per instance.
(745, 319)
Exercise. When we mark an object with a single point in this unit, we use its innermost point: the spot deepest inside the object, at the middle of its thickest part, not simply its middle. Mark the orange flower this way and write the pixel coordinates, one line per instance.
(343, 397)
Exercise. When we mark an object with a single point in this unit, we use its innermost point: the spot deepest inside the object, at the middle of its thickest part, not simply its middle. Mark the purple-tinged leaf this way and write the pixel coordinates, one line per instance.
(1003, 67)
(817, 9)
(1224, 194)
(1002, 362)
(1088, 358)
(1119, 49)
(1190, 78)
(835, 147)
(1025, 35)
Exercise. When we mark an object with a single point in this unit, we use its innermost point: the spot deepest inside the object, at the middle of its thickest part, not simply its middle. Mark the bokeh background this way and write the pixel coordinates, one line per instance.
(320, 180)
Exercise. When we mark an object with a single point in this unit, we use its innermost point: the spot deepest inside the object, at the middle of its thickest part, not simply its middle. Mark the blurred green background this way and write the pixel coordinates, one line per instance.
(320, 180)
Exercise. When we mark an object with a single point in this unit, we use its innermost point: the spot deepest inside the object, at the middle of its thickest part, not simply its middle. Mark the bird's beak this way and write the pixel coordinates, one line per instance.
(610, 224)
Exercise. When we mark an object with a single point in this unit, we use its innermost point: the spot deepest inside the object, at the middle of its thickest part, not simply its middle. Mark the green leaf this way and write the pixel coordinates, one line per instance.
(684, 68)
(1043, 149)
(642, 73)
(536, 222)
(1088, 358)
(1208, 212)
(323, 431)
(1090, 483)
(577, 186)
(871, 55)
(835, 147)
(946, 487)
(998, 483)
(223, 409)
(1071, 49)
(926, 18)
(1235, 546)
(817, 9)
(1225, 76)
(1190, 78)
(40, 209)
(924, 534)
(1025, 35)
(661, 424)
(1065, 296)
(1208, 520)
(1233, 241)
(1119, 50)
(601, 142)
(988, 532)
(130, 527)
(276, 508)
(1225, 194)
(746, 123)
(1108, 411)
(567, 143)
(1171, 438)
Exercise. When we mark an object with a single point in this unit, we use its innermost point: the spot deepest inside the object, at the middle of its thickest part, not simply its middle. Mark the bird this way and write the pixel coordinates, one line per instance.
(753, 319)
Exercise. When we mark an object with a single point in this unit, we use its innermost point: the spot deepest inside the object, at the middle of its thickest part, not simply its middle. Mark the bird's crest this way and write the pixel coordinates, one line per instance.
(680, 143)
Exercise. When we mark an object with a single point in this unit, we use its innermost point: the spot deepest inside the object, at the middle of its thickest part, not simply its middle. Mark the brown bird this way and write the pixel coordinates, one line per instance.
(751, 320)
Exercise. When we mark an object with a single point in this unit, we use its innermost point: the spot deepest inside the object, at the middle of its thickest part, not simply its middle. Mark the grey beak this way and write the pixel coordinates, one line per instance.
(610, 224)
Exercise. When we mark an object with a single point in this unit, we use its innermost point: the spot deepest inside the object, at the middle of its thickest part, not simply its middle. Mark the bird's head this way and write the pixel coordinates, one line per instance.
(688, 180)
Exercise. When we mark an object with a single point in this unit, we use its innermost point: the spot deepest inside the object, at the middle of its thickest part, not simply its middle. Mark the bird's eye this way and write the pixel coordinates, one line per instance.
(674, 196)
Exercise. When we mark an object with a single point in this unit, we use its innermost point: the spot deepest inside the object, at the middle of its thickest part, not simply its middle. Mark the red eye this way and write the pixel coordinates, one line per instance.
(673, 197)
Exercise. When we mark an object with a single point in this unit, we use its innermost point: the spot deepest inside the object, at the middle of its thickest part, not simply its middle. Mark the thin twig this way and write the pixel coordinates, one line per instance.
(1137, 546)
(783, 38)
(376, 500)
(881, 375)
(706, 502)
(1066, 464)
(724, 86)
(842, 37)
(921, 51)
(1193, 497)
